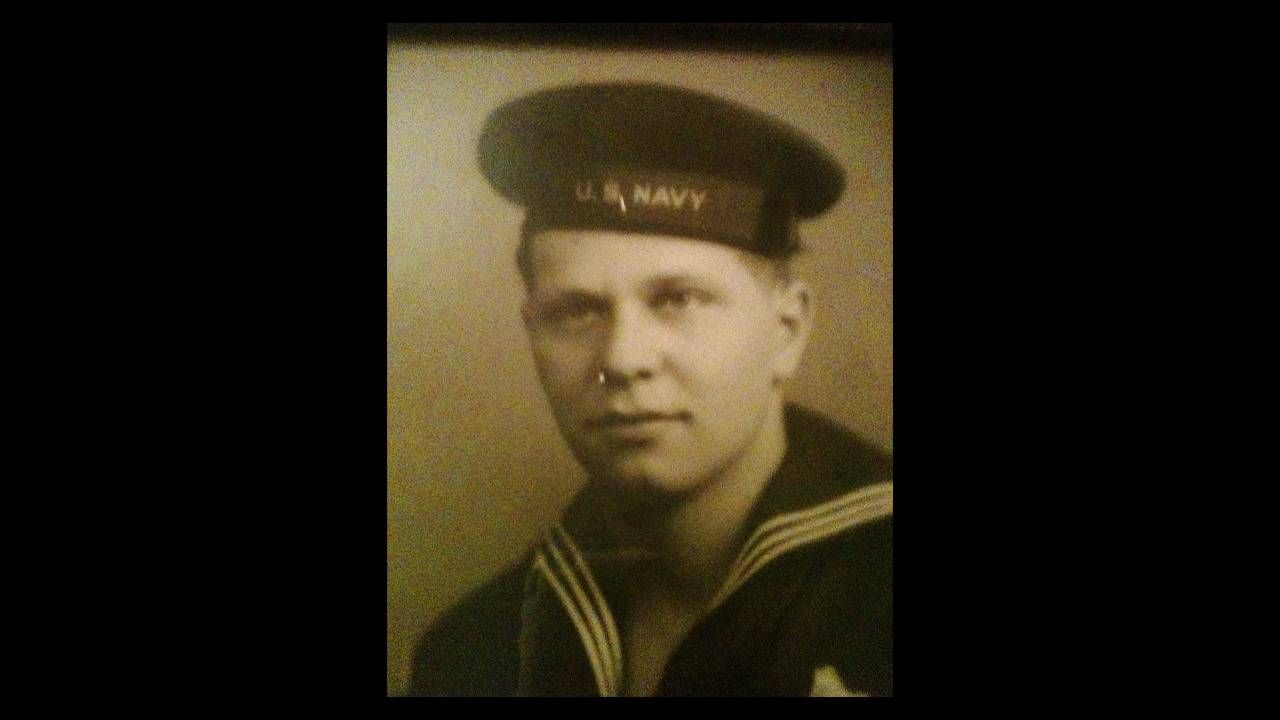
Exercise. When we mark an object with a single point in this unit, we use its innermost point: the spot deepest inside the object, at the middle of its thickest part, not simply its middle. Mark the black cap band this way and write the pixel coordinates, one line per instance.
(636, 200)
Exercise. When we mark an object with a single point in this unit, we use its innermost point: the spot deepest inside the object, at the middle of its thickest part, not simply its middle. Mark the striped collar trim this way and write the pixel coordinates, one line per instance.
(786, 532)
(561, 563)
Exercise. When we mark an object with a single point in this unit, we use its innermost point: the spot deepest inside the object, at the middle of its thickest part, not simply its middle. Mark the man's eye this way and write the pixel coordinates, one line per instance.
(572, 314)
(677, 300)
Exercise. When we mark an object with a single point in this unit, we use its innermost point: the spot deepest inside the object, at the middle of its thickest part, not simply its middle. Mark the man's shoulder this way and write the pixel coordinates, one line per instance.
(471, 648)
(844, 613)
(827, 474)
(825, 443)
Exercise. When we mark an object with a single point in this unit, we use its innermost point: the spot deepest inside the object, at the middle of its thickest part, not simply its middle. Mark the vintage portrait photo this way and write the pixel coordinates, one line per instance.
(639, 370)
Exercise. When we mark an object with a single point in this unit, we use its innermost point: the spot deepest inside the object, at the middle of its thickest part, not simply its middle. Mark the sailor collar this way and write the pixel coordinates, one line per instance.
(829, 484)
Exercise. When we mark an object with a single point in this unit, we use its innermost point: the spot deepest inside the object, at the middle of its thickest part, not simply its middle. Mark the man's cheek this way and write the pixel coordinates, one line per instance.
(557, 369)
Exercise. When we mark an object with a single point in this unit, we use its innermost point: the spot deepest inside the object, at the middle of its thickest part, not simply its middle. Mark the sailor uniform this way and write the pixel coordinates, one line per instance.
(806, 608)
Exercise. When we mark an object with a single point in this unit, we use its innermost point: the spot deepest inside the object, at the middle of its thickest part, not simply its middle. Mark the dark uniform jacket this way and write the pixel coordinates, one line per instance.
(807, 608)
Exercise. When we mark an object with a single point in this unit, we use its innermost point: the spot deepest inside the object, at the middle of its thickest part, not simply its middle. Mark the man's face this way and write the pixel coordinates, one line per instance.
(692, 339)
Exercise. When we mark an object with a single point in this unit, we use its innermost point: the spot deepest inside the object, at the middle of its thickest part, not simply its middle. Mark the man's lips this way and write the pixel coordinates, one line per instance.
(620, 421)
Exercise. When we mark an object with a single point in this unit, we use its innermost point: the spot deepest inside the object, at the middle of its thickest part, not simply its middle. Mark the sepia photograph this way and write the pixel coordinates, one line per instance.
(640, 363)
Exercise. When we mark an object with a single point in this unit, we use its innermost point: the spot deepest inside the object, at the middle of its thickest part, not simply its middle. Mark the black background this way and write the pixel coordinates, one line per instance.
(236, 488)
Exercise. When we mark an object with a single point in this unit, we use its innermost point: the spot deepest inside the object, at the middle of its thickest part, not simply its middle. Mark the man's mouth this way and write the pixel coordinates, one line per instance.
(622, 421)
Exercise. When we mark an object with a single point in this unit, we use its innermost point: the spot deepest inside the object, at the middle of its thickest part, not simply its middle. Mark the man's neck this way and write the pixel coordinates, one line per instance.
(693, 539)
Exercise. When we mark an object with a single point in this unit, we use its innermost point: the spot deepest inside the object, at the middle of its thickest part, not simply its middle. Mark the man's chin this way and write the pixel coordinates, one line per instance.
(641, 482)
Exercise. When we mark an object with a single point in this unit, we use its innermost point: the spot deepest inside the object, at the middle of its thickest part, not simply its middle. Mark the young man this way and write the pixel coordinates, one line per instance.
(726, 543)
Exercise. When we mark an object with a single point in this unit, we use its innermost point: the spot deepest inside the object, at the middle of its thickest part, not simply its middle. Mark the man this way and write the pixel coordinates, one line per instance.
(726, 543)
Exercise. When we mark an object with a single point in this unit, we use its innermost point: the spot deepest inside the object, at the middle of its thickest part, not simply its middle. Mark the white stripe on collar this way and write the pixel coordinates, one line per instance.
(789, 531)
(602, 681)
(576, 587)
(586, 606)
(609, 641)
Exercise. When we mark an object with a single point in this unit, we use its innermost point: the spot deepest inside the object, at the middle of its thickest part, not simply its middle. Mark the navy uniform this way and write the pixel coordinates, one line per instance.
(806, 607)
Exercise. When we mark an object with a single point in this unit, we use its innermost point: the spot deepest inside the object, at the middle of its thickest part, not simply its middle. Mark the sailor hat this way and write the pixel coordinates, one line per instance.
(649, 158)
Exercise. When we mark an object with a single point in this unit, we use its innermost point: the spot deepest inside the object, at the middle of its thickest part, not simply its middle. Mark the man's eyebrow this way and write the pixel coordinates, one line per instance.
(678, 280)
(570, 295)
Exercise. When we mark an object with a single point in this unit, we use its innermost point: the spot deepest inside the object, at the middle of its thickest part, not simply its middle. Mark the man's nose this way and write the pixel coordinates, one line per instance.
(633, 349)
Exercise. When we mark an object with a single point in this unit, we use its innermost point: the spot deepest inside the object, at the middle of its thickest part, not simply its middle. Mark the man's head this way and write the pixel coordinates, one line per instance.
(662, 356)
(661, 309)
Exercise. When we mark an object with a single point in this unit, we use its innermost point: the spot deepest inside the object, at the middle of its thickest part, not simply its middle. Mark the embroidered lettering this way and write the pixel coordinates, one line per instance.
(612, 191)
(640, 194)
(678, 197)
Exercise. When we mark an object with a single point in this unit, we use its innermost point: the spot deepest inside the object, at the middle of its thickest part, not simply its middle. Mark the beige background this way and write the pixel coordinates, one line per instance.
(475, 466)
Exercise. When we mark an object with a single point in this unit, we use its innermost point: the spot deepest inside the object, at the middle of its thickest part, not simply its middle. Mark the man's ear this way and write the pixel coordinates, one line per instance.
(794, 304)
